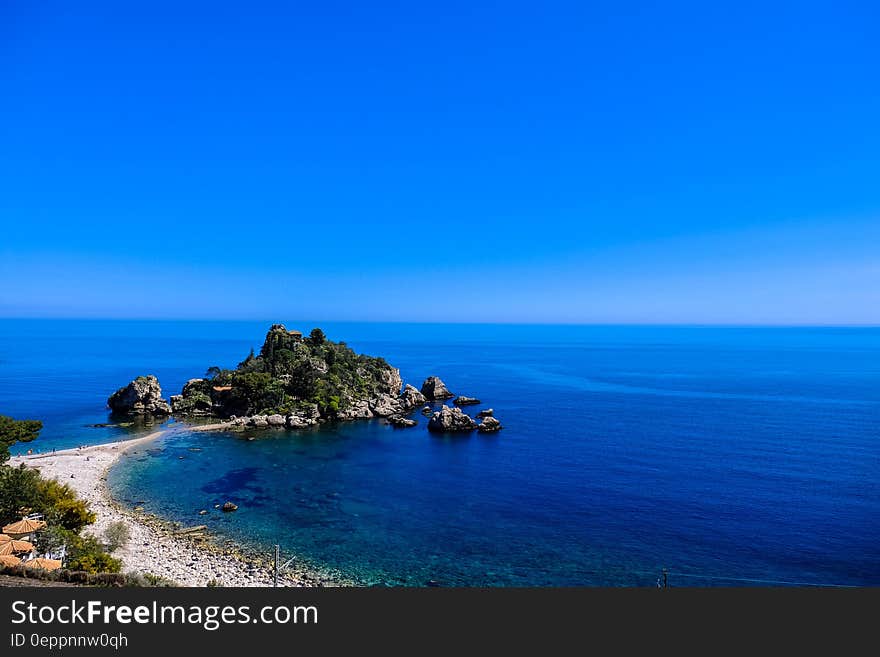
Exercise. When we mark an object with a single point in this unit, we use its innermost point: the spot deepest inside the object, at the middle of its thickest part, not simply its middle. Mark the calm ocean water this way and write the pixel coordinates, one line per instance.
(727, 455)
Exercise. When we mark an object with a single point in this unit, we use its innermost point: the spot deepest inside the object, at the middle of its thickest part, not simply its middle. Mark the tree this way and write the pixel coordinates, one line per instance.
(16, 431)
(213, 372)
(22, 490)
(317, 337)
(18, 492)
(60, 505)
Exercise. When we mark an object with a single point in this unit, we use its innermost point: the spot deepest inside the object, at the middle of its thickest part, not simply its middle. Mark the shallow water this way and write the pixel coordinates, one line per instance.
(748, 454)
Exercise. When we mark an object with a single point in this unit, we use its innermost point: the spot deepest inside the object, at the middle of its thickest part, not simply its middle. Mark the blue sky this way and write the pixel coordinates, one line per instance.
(537, 162)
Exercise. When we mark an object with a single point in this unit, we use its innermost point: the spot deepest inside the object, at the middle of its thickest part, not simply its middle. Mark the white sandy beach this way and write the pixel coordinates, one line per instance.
(154, 546)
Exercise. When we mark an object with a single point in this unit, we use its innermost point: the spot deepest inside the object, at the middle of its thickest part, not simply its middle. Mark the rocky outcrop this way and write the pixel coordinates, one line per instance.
(195, 398)
(487, 412)
(390, 381)
(435, 390)
(400, 422)
(299, 422)
(358, 410)
(229, 507)
(385, 405)
(489, 425)
(276, 420)
(411, 397)
(448, 420)
(143, 396)
(461, 400)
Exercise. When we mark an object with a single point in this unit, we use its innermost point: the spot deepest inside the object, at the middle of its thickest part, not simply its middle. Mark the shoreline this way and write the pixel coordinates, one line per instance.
(156, 545)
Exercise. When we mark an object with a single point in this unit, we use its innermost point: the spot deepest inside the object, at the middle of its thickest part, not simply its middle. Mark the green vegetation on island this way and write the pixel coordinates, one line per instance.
(308, 377)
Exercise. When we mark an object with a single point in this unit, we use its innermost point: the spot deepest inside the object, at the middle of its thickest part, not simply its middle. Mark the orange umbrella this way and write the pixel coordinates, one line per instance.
(43, 564)
(14, 547)
(23, 526)
(9, 560)
(4, 538)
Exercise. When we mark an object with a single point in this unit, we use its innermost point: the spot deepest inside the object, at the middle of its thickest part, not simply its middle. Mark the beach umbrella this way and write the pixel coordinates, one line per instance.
(43, 564)
(9, 560)
(23, 526)
(15, 547)
(4, 538)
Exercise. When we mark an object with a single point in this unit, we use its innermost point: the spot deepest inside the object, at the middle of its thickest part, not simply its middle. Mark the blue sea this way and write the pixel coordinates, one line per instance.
(728, 456)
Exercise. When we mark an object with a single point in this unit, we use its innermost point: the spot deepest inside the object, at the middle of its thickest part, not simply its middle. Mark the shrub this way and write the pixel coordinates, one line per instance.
(116, 535)
(87, 554)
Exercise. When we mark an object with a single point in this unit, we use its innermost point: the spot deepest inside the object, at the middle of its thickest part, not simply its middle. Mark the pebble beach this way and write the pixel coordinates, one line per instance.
(156, 546)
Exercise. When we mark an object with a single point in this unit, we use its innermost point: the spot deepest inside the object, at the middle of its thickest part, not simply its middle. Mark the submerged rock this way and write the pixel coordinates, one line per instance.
(489, 425)
(451, 420)
(143, 396)
(435, 390)
(229, 506)
(461, 400)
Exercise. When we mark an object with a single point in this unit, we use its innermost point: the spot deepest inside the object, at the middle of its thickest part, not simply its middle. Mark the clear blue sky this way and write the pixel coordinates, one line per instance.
(534, 161)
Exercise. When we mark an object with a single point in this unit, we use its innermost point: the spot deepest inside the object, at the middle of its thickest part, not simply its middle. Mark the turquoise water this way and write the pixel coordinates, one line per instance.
(727, 455)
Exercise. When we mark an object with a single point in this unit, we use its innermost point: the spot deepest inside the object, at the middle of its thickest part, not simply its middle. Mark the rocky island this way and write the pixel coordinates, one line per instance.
(300, 381)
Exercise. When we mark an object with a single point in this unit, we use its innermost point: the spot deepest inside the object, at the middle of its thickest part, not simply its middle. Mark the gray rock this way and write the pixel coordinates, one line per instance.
(489, 425)
(356, 411)
(434, 389)
(487, 412)
(229, 506)
(297, 422)
(311, 412)
(411, 397)
(385, 405)
(427, 411)
(448, 420)
(275, 420)
(143, 396)
(400, 422)
(390, 381)
(461, 400)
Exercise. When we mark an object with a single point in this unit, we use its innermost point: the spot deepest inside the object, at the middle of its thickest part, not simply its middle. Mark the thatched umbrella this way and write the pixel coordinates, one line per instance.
(16, 547)
(9, 560)
(4, 538)
(23, 527)
(43, 564)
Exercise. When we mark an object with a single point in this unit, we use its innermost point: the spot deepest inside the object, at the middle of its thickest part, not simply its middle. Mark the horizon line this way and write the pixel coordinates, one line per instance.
(865, 325)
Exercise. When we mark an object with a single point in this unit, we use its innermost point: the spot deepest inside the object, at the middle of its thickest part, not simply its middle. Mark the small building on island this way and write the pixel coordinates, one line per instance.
(296, 335)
